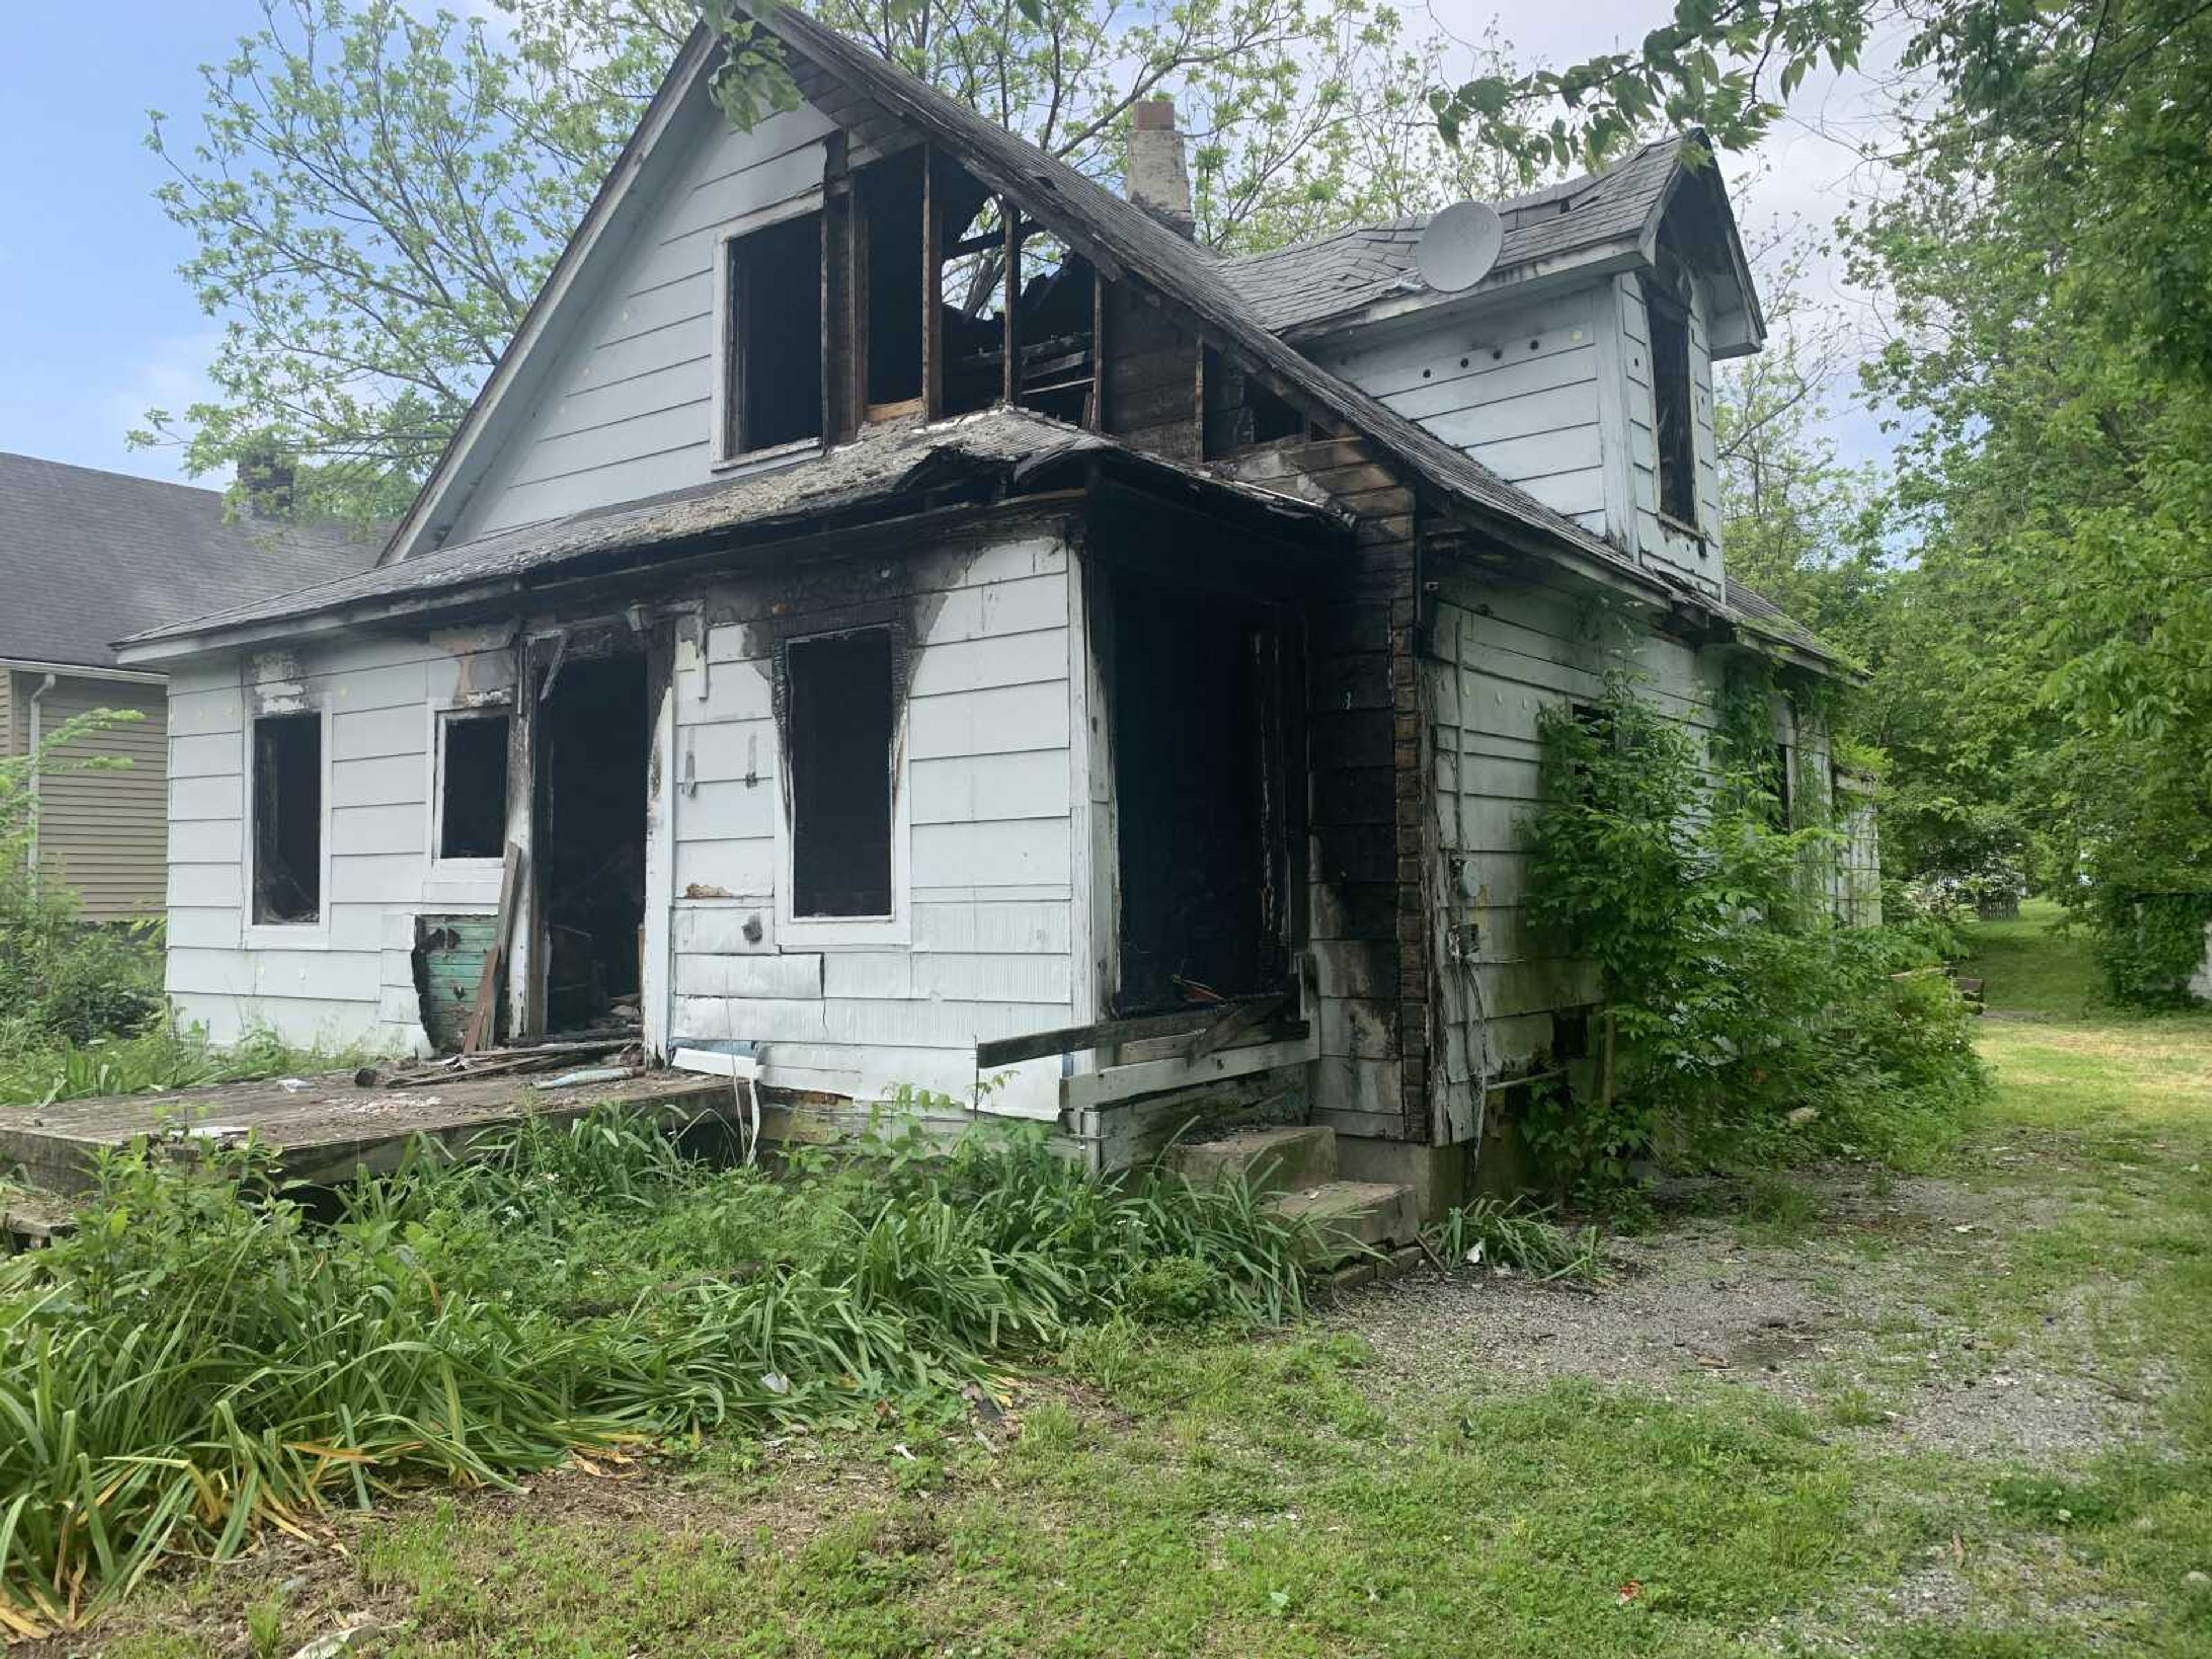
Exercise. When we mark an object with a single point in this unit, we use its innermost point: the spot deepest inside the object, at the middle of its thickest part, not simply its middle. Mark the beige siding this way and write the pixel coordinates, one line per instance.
(101, 832)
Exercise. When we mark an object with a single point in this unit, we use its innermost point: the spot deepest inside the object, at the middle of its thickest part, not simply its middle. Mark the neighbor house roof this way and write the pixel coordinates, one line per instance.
(1312, 283)
(992, 455)
(88, 556)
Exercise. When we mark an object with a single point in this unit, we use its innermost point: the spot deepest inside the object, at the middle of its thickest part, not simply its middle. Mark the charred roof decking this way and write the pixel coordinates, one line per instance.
(999, 453)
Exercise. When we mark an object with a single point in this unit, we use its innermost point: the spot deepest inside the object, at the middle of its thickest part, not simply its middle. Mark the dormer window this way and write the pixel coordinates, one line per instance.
(771, 294)
(1672, 406)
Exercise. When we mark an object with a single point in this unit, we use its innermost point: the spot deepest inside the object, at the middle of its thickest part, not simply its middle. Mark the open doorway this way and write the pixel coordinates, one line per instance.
(593, 746)
(1200, 797)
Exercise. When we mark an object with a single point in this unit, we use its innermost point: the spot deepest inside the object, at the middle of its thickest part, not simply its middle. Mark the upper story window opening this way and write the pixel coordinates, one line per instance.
(772, 301)
(1674, 408)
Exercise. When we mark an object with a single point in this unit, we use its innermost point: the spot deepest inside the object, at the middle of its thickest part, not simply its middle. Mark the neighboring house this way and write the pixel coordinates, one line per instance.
(892, 685)
(87, 557)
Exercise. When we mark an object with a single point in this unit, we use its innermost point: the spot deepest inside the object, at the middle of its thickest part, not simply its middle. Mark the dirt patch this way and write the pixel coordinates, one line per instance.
(1843, 1319)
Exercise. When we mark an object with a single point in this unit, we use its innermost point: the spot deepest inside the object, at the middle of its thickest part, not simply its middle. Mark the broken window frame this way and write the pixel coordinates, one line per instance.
(729, 438)
(442, 722)
(831, 932)
(1674, 382)
(267, 931)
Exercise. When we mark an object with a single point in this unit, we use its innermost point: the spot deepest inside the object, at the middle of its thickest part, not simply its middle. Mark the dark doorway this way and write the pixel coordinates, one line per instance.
(1199, 800)
(593, 746)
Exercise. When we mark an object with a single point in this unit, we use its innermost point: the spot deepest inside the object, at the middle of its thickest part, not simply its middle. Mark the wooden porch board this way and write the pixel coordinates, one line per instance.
(327, 1131)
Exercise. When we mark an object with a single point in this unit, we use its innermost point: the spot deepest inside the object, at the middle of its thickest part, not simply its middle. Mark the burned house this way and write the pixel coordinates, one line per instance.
(904, 614)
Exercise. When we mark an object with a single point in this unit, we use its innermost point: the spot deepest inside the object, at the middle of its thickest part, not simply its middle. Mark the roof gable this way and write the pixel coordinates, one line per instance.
(877, 104)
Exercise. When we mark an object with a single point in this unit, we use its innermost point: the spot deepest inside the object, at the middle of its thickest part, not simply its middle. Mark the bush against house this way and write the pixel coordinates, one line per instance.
(1738, 1018)
(62, 981)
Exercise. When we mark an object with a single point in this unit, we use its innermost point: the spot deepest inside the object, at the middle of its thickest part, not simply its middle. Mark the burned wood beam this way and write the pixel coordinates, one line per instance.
(1074, 1039)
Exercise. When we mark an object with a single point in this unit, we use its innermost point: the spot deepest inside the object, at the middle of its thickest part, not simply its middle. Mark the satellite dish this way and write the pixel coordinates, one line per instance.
(1459, 245)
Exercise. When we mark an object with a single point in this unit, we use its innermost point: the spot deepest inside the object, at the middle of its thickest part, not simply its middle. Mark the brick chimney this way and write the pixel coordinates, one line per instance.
(1157, 178)
(266, 475)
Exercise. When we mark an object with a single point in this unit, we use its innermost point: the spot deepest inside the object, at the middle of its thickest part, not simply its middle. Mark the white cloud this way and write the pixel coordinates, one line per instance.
(171, 376)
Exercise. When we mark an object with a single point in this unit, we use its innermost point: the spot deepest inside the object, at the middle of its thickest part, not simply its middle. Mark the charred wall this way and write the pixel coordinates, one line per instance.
(1369, 818)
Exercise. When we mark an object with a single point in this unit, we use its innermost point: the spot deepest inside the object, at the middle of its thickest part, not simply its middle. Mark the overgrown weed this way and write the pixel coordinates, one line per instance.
(1521, 1237)
(202, 1360)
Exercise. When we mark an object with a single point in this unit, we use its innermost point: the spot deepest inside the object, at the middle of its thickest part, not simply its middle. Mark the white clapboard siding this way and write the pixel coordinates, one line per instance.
(1504, 655)
(626, 408)
(983, 946)
(1518, 391)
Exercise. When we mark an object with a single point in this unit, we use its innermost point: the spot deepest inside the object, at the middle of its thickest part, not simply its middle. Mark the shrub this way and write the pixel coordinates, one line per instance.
(61, 981)
(1738, 1019)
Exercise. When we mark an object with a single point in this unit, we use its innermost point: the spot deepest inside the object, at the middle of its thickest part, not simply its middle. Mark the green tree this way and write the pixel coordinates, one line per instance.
(2055, 642)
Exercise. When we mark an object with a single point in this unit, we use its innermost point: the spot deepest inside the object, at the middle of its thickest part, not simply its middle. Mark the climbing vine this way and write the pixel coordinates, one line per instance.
(1733, 1015)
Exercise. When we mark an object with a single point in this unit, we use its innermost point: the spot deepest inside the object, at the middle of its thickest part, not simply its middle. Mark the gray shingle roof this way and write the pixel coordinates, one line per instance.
(1294, 287)
(88, 556)
(1755, 613)
(984, 454)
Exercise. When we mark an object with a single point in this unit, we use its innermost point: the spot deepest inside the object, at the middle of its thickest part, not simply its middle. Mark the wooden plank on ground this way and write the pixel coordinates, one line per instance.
(483, 1021)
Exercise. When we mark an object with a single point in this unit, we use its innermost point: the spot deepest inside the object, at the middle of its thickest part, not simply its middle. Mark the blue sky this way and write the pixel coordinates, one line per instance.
(96, 327)
(95, 324)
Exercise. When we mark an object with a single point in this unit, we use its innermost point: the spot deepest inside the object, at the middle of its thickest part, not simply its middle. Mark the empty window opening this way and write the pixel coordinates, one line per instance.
(888, 195)
(593, 739)
(1780, 786)
(287, 818)
(1054, 314)
(774, 394)
(1241, 410)
(972, 292)
(1199, 825)
(1053, 329)
(838, 693)
(1671, 410)
(472, 787)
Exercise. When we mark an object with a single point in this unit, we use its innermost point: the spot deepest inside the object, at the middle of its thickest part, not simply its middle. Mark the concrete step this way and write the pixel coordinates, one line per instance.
(1347, 1214)
(1274, 1160)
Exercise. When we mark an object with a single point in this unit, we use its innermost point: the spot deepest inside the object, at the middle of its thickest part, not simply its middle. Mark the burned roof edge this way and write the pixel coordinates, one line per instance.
(1011, 452)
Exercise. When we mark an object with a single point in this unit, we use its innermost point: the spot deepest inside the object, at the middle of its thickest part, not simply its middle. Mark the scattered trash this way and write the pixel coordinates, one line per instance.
(292, 1086)
(1803, 1115)
(775, 1382)
(338, 1642)
(1631, 1590)
(900, 1448)
(590, 1074)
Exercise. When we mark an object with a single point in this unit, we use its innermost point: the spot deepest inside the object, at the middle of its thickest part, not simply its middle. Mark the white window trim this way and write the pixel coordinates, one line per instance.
(283, 935)
(794, 931)
(440, 716)
(725, 336)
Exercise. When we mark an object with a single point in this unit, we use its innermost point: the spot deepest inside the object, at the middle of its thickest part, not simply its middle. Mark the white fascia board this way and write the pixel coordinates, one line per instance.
(83, 671)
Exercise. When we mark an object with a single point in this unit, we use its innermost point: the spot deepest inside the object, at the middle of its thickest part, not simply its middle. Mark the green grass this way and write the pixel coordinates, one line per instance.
(40, 1070)
(1210, 1494)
